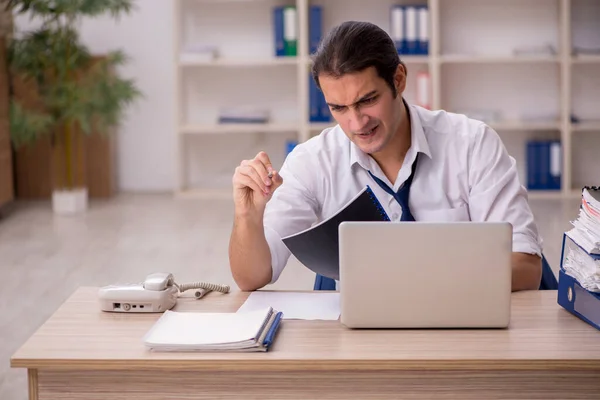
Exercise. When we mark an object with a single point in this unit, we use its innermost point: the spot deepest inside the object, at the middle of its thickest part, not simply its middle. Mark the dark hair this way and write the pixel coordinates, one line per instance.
(354, 46)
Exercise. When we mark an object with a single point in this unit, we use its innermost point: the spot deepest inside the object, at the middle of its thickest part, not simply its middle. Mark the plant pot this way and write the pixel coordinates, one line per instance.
(70, 201)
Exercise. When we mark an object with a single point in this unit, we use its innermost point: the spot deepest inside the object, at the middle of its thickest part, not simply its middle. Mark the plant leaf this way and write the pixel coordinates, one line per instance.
(54, 8)
(26, 126)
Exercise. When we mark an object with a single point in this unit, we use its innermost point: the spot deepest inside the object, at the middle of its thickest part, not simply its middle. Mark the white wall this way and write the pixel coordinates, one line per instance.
(146, 139)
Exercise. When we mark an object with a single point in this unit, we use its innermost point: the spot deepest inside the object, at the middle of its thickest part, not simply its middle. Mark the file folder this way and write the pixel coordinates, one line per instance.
(314, 105)
(324, 112)
(398, 28)
(411, 15)
(278, 32)
(555, 165)
(315, 29)
(290, 31)
(573, 297)
(531, 167)
(423, 30)
(424, 89)
(289, 146)
(544, 164)
(318, 108)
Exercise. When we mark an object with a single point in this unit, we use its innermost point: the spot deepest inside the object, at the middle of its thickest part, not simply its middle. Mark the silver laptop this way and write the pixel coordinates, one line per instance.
(425, 274)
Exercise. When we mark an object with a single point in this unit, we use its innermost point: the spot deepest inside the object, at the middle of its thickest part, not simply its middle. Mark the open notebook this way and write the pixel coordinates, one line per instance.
(195, 331)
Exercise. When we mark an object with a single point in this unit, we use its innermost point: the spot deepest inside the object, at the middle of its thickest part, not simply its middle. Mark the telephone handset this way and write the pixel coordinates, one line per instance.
(158, 293)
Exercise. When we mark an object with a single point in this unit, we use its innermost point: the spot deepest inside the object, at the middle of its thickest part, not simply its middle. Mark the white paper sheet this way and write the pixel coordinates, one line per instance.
(308, 305)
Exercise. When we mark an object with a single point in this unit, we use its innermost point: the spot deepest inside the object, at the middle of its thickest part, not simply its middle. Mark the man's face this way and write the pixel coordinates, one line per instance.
(363, 105)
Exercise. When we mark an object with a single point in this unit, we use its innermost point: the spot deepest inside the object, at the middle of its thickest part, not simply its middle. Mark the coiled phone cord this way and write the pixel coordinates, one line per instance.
(213, 287)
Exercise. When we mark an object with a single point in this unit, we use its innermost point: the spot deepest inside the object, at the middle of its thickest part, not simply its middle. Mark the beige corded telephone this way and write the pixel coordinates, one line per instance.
(158, 293)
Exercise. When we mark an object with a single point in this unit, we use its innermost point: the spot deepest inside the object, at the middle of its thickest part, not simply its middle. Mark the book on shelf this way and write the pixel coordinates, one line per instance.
(285, 29)
(315, 27)
(544, 164)
(289, 146)
(318, 246)
(579, 274)
(222, 332)
(410, 29)
(318, 108)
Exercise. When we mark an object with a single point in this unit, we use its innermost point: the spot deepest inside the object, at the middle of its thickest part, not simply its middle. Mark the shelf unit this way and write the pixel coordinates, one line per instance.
(471, 65)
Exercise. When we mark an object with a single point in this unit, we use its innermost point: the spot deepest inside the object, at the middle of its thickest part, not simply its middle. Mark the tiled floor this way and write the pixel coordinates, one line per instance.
(43, 258)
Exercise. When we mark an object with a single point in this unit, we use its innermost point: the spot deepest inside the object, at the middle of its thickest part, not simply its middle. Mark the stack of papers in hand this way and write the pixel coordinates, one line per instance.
(194, 331)
(581, 256)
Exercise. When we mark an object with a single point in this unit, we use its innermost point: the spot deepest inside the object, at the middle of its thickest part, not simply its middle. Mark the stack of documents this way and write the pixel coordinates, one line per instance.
(226, 332)
(581, 257)
(586, 231)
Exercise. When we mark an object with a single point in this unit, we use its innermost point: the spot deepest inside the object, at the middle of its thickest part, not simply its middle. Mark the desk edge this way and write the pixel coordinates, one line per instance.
(313, 365)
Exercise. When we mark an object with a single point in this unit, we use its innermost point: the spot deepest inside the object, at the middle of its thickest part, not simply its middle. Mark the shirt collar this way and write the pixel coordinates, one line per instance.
(419, 142)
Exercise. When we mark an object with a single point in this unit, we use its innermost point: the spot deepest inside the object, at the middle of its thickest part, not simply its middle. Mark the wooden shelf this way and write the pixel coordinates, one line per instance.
(241, 62)
(407, 59)
(586, 59)
(524, 126)
(476, 59)
(553, 194)
(500, 126)
(586, 127)
(237, 128)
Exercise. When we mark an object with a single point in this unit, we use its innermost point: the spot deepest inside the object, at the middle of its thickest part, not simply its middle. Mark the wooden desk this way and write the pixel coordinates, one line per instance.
(82, 353)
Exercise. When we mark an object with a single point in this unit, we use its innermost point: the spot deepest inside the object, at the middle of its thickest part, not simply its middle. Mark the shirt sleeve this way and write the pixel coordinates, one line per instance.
(292, 208)
(495, 192)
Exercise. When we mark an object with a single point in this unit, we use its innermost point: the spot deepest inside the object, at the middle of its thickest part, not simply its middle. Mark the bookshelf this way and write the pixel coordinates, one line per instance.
(472, 65)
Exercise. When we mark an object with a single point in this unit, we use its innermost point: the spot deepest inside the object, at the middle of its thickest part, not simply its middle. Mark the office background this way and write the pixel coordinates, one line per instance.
(531, 68)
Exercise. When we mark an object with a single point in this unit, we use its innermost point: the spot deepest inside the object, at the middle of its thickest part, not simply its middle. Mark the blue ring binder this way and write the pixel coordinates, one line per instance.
(377, 203)
(573, 295)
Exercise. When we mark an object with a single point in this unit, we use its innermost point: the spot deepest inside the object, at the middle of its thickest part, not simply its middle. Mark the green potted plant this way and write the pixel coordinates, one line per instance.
(77, 93)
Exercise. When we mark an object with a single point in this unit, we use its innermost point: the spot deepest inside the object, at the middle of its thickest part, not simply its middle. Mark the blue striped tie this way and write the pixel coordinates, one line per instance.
(402, 195)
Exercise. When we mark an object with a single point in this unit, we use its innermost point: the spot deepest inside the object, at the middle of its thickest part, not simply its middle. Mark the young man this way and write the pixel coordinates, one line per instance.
(455, 168)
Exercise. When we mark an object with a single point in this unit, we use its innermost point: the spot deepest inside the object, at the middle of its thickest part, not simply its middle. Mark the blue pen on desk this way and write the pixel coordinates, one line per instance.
(273, 330)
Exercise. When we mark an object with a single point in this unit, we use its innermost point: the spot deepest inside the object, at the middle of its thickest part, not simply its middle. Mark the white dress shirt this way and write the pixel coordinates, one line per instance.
(464, 174)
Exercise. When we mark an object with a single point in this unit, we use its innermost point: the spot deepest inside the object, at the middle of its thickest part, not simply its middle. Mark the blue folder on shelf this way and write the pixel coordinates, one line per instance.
(278, 28)
(544, 164)
(572, 296)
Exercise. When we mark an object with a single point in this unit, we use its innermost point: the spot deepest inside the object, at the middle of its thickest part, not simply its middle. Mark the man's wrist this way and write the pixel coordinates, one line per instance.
(250, 217)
